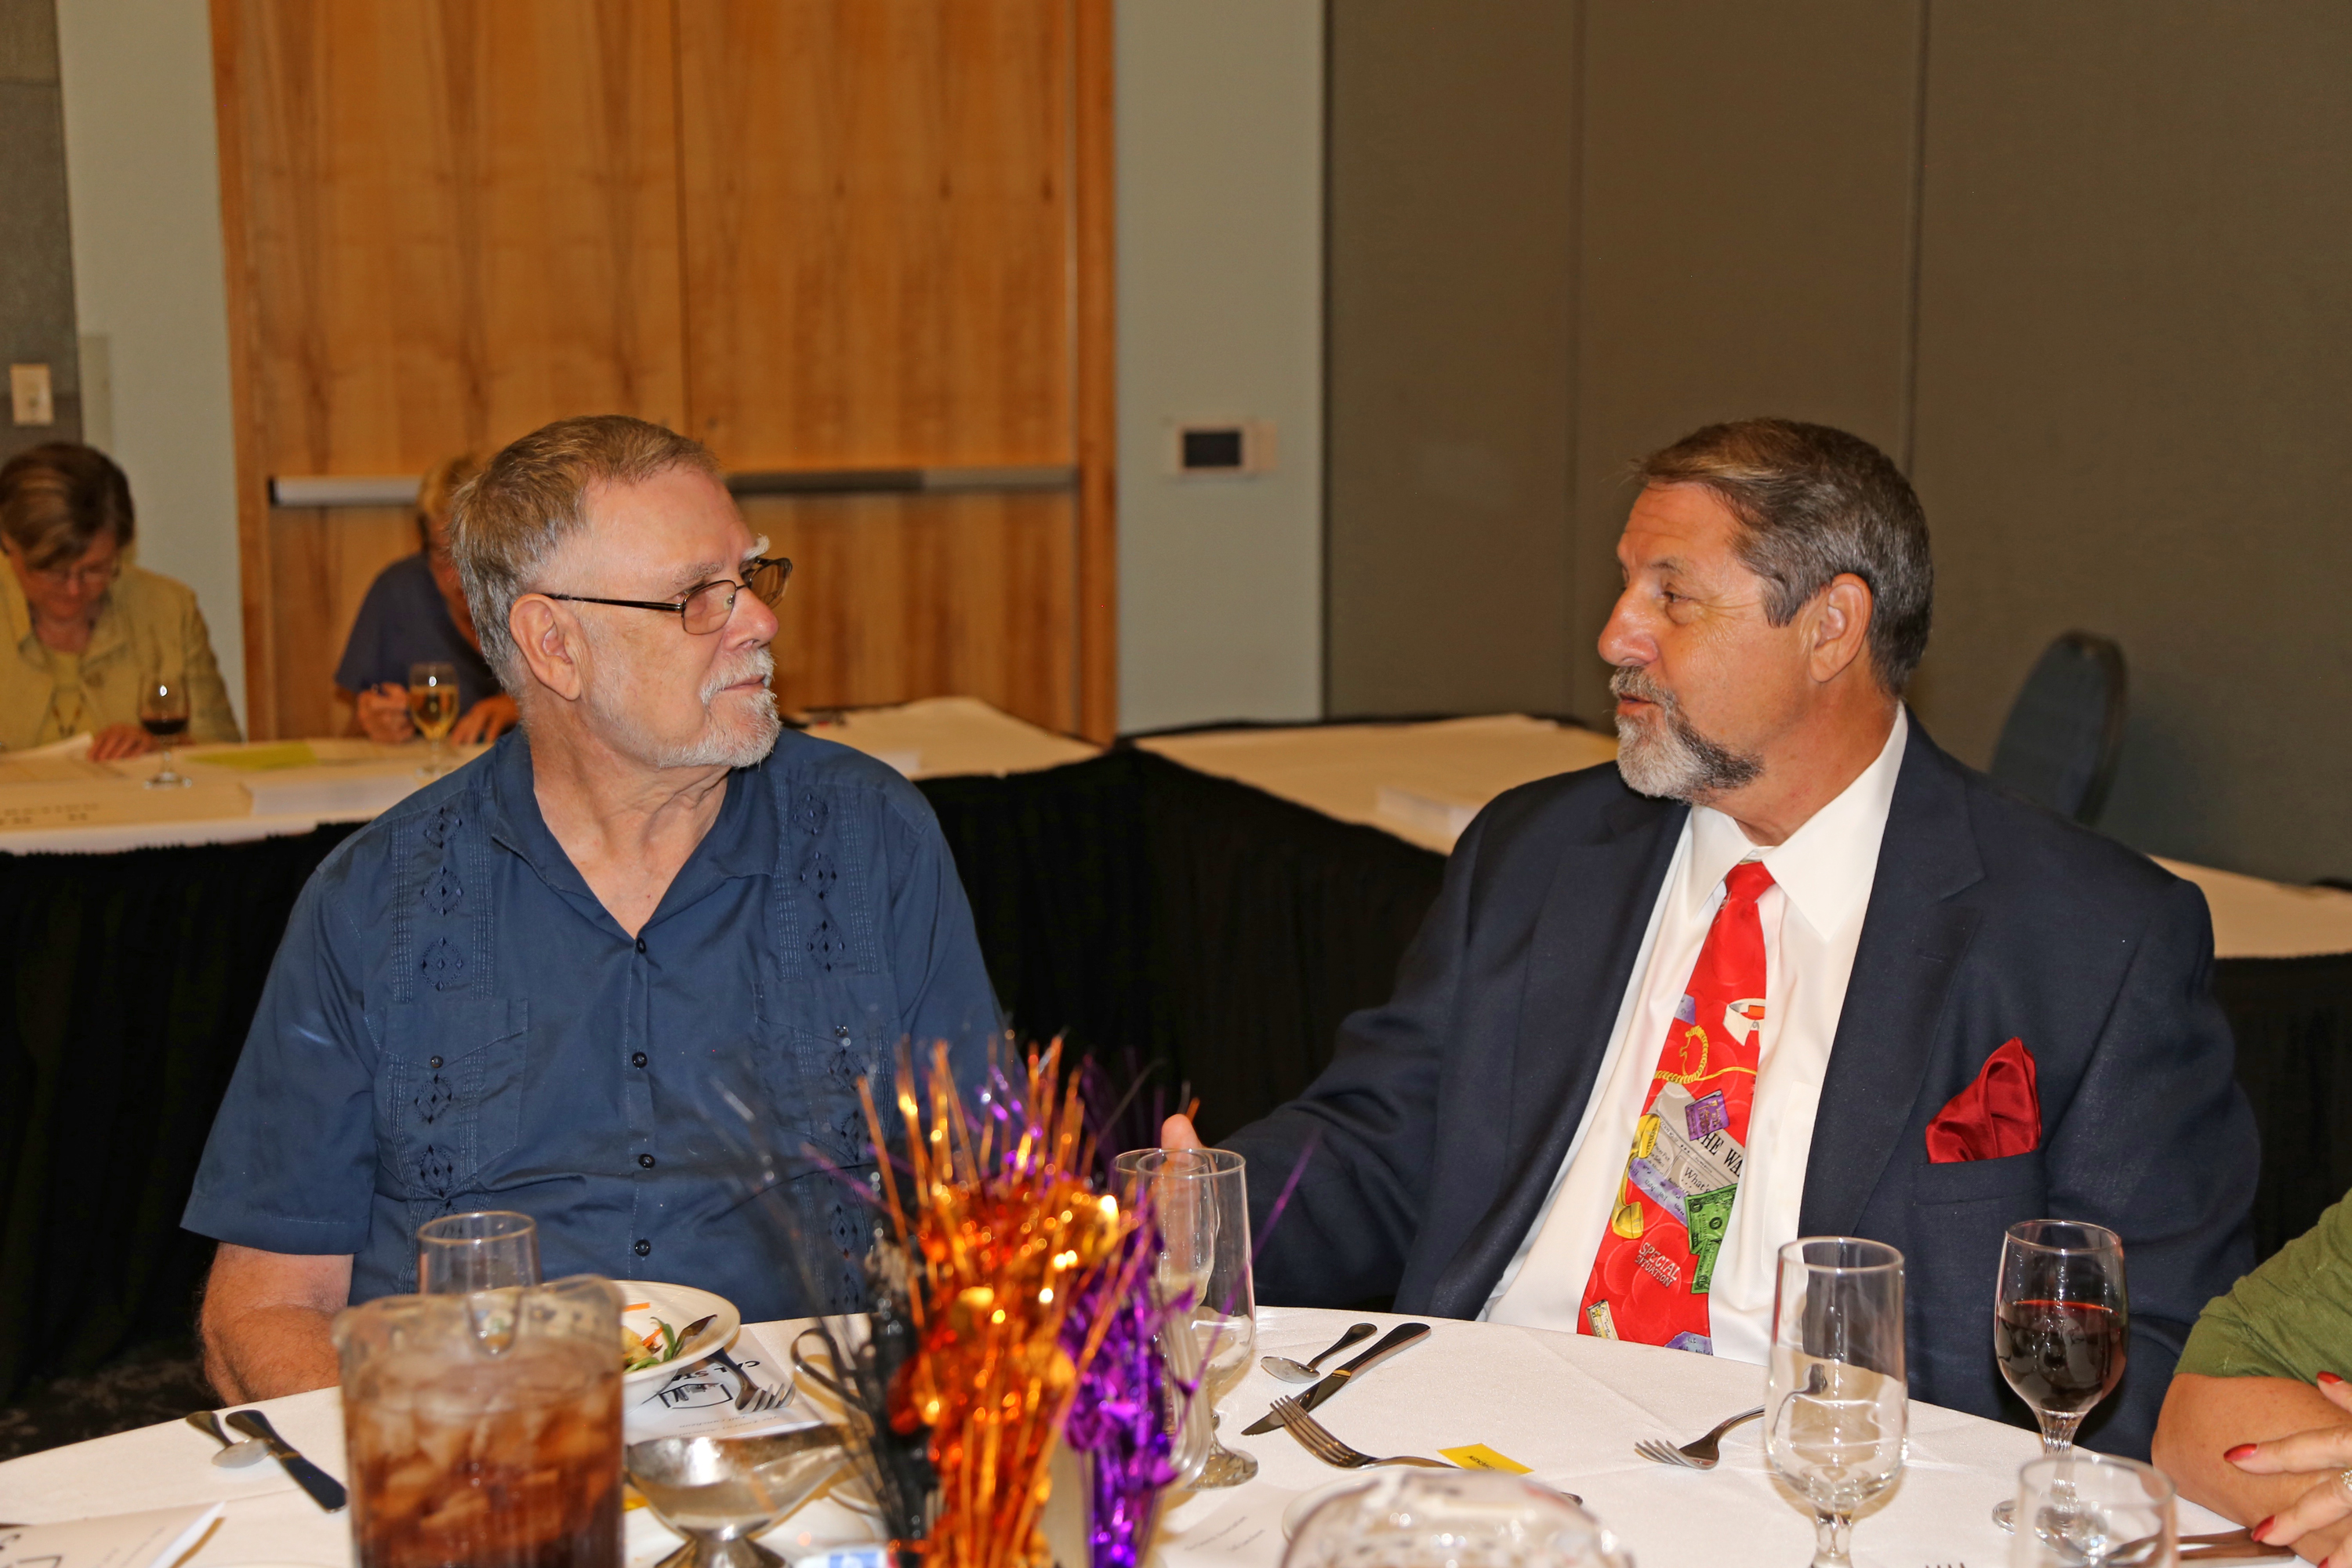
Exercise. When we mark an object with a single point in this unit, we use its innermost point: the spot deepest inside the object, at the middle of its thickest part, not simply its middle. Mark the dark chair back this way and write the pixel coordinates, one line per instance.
(2060, 743)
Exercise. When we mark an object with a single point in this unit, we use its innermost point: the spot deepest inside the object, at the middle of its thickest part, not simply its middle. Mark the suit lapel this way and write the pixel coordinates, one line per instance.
(1912, 939)
(1580, 960)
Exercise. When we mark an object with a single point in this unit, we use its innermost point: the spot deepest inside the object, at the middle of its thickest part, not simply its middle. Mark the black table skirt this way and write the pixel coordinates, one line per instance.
(1133, 905)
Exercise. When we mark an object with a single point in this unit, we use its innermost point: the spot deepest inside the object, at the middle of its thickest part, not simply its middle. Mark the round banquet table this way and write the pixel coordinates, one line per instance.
(1568, 1407)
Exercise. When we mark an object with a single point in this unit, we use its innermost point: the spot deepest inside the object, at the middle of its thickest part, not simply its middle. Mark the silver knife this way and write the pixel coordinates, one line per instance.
(324, 1490)
(1395, 1340)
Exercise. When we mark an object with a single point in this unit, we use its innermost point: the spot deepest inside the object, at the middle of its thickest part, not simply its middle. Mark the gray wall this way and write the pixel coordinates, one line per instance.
(2080, 268)
(36, 299)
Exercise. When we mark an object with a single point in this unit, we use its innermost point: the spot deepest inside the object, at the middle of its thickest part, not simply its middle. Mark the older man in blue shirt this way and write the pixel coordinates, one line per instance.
(523, 987)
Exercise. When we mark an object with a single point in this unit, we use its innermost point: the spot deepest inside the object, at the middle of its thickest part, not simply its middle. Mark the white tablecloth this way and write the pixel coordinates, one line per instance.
(1569, 1409)
(1425, 782)
(57, 802)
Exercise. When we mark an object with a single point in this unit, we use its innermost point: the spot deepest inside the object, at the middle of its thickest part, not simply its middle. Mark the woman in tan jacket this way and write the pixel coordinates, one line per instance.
(85, 628)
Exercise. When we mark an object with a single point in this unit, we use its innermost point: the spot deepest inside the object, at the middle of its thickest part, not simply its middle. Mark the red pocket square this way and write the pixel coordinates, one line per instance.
(1998, 1115)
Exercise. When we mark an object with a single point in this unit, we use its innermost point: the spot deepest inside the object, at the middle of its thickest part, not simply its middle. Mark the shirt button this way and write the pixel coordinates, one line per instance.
(435, 1062)
(642, 1248)
(647, 1161)
(641, 944)
(637, 1060)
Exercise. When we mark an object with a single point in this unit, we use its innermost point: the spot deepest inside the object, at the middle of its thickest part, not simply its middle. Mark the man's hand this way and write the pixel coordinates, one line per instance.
(383, 712)
(118, 740)
(264, 1322)
(487, 720)
(1177, 1132)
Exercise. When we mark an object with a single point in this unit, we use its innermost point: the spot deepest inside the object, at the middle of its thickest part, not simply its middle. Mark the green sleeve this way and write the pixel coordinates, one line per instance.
(2290, 1318)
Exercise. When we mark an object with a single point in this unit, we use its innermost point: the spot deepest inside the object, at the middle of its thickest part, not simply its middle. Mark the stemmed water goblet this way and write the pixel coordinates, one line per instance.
(1837, 1404)
(1200, 1200)
(2061, 1327)
(163, 713)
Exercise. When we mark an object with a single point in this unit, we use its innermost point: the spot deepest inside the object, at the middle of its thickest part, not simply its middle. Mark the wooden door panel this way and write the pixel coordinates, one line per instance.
(878, 212)
(460, 221)
(896, 598)
(447, 222)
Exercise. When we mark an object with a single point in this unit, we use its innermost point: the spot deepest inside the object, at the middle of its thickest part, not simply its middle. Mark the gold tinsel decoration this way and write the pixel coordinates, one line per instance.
(1006, 1235)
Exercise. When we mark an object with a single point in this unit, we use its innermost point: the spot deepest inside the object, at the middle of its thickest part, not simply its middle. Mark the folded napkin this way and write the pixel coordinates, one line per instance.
(155, 1539)
(1998, 1115)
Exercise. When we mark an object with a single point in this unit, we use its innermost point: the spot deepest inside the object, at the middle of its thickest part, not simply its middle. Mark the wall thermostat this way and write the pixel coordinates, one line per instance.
(1207, 448)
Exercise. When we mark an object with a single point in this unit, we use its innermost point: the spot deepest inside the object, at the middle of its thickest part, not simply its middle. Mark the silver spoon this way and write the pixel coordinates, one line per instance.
(235, 1454)
(1290, 1370)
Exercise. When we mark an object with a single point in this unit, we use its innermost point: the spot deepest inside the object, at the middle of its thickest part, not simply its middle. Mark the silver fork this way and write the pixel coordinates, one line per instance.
(1316, 1439)
(752, 1399)
(1702, 1453)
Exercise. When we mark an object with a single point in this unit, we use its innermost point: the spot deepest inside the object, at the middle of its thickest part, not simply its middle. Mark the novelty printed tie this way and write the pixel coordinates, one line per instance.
(1650, 1280)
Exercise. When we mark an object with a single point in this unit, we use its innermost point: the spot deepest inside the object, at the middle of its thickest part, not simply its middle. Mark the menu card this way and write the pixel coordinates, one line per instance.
(156, 1539)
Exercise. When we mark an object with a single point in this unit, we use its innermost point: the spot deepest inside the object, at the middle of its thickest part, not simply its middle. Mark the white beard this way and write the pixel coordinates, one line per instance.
(738, 741)
(1664, 755)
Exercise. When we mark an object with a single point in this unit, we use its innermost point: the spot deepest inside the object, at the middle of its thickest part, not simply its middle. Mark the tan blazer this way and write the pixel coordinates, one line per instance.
(147, 626)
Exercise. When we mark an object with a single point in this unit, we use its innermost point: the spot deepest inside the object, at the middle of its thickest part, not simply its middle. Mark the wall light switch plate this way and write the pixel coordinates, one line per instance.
(28, 395)
(1209, 448)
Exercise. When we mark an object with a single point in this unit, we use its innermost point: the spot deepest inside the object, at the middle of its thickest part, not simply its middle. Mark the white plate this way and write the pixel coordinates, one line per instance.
(677, 1305)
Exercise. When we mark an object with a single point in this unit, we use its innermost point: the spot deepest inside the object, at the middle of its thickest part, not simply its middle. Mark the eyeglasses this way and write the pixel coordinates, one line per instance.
(706, 609)
(76, 577)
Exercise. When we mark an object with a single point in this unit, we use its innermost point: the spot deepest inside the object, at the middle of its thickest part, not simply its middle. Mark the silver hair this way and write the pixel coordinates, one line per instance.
(507, 520)
(1813, 502)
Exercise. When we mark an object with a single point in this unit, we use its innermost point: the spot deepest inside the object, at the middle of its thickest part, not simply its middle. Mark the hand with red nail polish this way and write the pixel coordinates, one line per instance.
(2321, 1457)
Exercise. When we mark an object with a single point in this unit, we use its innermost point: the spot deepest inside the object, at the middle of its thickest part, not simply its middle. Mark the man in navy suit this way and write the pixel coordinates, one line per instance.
(1786, 969)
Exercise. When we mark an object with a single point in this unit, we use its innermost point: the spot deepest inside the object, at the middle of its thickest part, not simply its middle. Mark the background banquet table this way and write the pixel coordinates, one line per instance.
(1569, 1409)
(1213, 902)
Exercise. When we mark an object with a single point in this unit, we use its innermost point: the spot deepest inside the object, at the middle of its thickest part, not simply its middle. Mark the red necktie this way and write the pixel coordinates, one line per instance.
(1650, 1279)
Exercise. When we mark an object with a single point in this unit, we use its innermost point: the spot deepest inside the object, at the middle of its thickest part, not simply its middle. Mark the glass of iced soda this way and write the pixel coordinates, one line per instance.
(484, 1431)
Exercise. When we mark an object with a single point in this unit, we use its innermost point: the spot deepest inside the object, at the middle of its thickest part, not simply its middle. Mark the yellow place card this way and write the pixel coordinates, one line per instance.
(261, 759)
(1478, 1456)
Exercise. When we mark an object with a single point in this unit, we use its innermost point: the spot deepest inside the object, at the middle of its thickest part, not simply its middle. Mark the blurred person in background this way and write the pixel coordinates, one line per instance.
(88, 628)
(414, 613)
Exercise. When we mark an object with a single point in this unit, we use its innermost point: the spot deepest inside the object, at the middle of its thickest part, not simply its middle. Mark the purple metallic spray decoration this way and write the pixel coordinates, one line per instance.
(1119, 1420)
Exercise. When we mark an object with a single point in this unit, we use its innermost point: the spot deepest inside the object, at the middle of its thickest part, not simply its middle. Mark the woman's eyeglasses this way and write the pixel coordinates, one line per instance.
(709, 607)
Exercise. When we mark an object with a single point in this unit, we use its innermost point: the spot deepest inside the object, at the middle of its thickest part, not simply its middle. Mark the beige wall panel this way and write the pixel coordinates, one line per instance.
(1748, 200)
(879, 230)
(896, 598)
(2135, 359)
(321, 561)
(1451, 213)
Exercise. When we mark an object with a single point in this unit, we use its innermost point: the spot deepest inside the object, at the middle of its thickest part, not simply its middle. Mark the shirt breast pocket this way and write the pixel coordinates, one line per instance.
(448, 1103)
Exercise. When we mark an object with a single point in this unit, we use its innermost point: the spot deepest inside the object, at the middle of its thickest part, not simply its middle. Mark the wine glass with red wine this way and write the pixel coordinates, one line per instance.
(163, 713)
(2061, 1323)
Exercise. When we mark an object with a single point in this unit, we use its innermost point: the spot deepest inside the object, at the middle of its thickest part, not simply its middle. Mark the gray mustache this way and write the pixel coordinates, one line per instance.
(761, 663)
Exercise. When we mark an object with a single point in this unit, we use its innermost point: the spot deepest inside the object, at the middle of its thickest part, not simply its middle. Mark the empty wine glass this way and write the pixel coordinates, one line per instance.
(433, 704)
(2092, 1511)
(492, 1249)
(1199, 1202)
(163, 713)
(2061, 1325)
(1837, 1404)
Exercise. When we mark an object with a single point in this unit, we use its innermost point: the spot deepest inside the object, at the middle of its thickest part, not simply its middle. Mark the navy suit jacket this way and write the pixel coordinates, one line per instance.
(1443, 1116)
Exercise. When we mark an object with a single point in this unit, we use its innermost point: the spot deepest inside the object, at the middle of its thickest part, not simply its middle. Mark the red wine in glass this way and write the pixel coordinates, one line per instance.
(2060, 1356)
(163, 713)
(2061, 1325)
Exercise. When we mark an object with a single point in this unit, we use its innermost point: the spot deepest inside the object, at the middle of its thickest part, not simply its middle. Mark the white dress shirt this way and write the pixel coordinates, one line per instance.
(1811, 917)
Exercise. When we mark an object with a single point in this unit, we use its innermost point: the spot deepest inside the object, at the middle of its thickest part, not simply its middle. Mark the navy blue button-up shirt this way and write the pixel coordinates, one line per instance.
(455, 1022)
